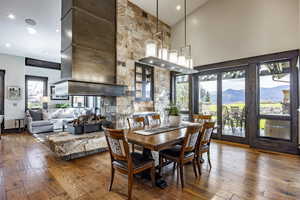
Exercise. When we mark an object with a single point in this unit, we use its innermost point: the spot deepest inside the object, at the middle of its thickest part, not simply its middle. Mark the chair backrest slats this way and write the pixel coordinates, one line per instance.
(206, 133)
(202, 118)
(118, 146)
(136, 122)
(190, 140)
(154, 120)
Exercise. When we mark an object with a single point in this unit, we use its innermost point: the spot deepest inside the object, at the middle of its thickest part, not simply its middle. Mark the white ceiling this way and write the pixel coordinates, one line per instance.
(45, 44)
(167, 8)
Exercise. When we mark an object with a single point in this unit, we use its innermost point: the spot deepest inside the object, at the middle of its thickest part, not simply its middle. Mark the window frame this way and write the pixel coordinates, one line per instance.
(36, 78)
(144, 67)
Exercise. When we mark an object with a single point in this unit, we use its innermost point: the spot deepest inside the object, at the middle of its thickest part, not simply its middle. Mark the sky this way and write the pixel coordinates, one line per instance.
(239, 84)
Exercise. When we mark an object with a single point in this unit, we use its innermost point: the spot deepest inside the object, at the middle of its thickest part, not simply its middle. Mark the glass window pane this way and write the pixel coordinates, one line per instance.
(139, 77)
(78, 101)
(208, 95)
(182, 92)
(35, 91)
(274, 83)
(275, 128)
(139, 70)
(233, 103)
(90, 102)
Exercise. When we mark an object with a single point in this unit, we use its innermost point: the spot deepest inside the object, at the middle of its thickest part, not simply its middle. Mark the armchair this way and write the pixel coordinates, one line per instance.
(37, 123)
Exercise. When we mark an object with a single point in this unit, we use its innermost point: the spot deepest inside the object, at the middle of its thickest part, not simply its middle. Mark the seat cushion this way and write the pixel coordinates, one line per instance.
(175, 152)
(41, 123)
(138, 161)
(204, 148)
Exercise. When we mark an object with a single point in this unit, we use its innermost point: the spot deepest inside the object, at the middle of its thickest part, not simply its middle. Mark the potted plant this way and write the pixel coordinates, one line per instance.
(174, 115)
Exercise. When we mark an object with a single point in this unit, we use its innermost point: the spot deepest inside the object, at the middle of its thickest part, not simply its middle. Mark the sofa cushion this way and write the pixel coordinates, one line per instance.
(63, 113)
(41, 123)
(36, 115)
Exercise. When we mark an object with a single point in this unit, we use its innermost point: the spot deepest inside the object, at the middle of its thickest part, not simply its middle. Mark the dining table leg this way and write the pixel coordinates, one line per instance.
(159, 182)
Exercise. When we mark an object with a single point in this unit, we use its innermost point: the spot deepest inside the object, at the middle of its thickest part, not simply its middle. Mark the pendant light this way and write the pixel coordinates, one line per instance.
(163, 50)
(173, 56)
(158, 55)
(151, 48)
(187, 49)
(151, 44)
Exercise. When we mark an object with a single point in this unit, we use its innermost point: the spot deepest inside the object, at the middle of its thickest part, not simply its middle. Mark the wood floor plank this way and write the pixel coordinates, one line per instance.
(30, 171)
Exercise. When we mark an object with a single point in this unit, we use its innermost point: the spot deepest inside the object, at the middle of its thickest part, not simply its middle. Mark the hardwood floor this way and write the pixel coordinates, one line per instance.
(29, 171)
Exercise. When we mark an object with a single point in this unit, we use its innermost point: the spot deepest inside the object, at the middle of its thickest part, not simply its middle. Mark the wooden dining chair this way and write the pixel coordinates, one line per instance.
(124, 161)
(136, 122)
(203, 144)
(202, 118)
(182, 154)
(154, 120)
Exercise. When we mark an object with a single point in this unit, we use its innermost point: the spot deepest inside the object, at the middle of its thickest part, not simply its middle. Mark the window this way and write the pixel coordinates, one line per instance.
(143, 82)
(274, 100)
(208, 86)
(36, 88)
(182, 92)
(78, 102)
(91, 102)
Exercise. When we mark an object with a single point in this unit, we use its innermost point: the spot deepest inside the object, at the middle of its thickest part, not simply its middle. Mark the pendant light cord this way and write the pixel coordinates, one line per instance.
(157, 16)
(185, 43)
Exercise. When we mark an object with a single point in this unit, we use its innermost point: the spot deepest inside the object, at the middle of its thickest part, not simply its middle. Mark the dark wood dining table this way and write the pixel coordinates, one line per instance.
(156, 142)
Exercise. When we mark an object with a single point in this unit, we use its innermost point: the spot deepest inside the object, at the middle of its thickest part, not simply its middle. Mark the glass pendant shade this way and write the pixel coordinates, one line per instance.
(173, 56)
(181, 60)
(151, 48)
(190, 63)
(163, 53)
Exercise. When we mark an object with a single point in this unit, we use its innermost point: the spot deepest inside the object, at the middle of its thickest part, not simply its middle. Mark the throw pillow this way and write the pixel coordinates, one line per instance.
(36, 115)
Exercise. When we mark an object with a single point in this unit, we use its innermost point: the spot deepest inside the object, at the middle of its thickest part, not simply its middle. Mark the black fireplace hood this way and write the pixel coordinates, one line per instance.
(88, 49)
(82, 88)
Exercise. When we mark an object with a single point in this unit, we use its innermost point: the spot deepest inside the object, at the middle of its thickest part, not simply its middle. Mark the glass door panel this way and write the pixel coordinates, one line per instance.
(274, 100)
(208, 86)
(233, 103)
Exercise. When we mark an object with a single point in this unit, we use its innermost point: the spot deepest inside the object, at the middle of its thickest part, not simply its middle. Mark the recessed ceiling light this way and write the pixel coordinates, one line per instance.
(11, 16)
(57, 30)
(31, 30)
(8, 45)
(178, 7)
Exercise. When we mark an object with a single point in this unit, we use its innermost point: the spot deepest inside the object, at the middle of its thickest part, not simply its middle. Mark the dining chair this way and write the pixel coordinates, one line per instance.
(154, 120)
(202, 118)
(203, 144)
(182, 154)
(136, 122)
(124, 161)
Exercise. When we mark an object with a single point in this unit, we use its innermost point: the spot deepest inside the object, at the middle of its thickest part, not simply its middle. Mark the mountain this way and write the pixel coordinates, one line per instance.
(267, 94)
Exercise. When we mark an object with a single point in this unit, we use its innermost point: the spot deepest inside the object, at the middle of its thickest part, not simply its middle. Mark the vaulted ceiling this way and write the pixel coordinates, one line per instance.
(169, 11)
(44, 41)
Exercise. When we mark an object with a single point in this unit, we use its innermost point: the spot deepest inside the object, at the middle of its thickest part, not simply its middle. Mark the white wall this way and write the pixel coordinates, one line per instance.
(14, 76)
(15, 71)
(223, 30)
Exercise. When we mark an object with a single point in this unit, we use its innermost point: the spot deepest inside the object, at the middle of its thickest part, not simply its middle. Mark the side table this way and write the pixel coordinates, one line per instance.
(19, 122)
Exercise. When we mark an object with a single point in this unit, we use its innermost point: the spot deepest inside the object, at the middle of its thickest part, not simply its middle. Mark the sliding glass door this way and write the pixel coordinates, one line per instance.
(255, 103)
(222, 94)
(234, 103)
